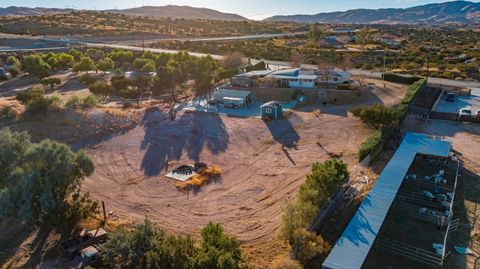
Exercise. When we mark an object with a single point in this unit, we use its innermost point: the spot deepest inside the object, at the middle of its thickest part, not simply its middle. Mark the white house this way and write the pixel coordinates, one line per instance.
(293, 77)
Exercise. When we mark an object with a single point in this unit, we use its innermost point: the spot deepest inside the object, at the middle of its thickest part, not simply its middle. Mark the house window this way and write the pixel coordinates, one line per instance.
(268, 110)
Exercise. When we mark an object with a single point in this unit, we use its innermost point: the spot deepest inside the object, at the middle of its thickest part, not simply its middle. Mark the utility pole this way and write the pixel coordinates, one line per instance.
(384, 62)
(428, 66)
(143, 42)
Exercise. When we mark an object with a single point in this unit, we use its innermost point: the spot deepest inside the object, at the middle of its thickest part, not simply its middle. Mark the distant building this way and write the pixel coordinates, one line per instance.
(233, 98)
(390, 41)
(271, 110)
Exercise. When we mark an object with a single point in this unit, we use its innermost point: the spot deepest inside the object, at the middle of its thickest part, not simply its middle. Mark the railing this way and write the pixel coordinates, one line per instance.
(417, 254)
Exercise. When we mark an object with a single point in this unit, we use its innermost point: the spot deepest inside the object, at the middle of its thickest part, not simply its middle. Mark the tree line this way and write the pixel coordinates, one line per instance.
(322, 182)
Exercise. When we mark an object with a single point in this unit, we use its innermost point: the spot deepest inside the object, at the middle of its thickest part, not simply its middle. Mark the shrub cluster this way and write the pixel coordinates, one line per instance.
(40, 182)
(324, 179)
(401, 79)
(377, 116)
(87, 102)
(147, 246)
(34, 100)
(384, 119)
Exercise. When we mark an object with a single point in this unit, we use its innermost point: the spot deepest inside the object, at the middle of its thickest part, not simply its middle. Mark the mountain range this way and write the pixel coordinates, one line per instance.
(463, 12)
(175, 12)
(455, 12)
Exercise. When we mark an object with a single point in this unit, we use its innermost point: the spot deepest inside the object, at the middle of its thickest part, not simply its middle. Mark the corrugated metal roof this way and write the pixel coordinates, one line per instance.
(221, 93)
(352, 248)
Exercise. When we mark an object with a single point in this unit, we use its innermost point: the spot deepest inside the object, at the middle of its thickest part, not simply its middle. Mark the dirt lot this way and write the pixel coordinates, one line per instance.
(259, 178)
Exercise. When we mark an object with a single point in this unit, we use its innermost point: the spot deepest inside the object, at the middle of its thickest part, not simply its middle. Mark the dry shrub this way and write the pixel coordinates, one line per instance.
(199, 180)
(285, 262)
(213, 171)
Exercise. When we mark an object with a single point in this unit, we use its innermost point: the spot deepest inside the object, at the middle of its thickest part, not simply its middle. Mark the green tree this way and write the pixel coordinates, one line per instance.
(202, 72)
(377, 116)
(35, 65)
(52, 60)
(148, 67)
(106, 64)
(85, 64)
(139, 63)
(168, 80)
(94, 54)
(77, 55)
(218, 250)
(41, 182)
(65, 60)
(13, 61)
(147, 246)
(26, 97)
(51, 82)
(100, 88)
(315, 32)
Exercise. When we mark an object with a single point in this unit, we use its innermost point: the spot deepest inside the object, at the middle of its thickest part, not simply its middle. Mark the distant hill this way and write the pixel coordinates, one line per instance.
(463, 12)
(178, 12)
(29, 11)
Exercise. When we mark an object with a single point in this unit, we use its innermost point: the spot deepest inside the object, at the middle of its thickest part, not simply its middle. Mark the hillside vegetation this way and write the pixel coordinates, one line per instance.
(102, 23)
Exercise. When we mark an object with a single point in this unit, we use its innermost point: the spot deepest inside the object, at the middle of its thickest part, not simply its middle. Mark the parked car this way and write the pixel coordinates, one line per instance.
(466, 112)
(450, 97)
(85, 257)
(84, 239)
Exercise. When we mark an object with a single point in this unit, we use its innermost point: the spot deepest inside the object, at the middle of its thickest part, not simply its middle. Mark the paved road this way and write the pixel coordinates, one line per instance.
(197, 39)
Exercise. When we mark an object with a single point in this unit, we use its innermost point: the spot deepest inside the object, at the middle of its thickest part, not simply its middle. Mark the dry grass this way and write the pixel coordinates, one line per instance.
(97, 222)
(201, 178)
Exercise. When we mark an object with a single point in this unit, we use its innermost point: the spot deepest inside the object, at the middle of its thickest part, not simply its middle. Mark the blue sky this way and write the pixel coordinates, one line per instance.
(253, 9)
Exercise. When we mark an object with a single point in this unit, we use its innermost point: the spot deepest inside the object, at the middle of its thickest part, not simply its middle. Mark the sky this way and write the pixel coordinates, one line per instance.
(252, 9)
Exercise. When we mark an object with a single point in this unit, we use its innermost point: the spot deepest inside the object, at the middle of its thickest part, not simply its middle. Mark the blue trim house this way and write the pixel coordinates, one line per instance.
(271, 110)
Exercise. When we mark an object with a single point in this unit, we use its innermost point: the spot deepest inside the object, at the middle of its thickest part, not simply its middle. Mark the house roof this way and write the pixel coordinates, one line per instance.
(352, 248)
(292, 72)
(256, 73)
(271, 104)
(222, 93)
(314, 77)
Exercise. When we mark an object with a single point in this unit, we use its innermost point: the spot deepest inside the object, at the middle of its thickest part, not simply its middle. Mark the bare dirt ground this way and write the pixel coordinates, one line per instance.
(258, 179)
(258, 176)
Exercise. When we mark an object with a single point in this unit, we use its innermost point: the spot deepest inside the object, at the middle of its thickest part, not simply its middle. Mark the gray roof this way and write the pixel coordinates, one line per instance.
(220, 93)
(271, 104)
(352, 248)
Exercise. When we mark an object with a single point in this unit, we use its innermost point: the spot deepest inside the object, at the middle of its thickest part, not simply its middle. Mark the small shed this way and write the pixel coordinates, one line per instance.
(233, 98)
(272, 110)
